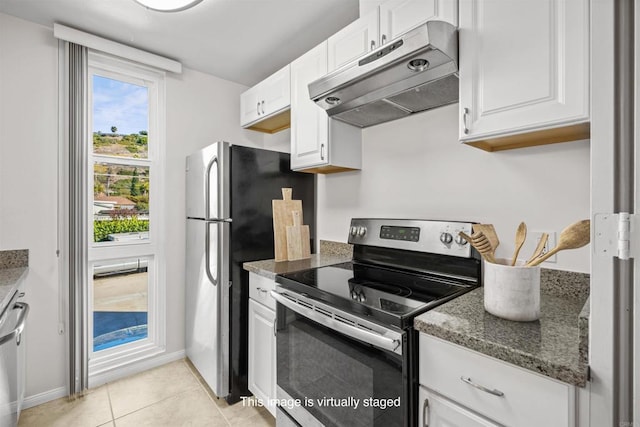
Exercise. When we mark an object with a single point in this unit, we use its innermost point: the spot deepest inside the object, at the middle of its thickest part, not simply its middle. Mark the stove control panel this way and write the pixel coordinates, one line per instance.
(412, 234)
(438, 237)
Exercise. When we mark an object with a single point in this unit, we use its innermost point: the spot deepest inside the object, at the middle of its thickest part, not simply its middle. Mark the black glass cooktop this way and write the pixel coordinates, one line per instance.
(387, 295)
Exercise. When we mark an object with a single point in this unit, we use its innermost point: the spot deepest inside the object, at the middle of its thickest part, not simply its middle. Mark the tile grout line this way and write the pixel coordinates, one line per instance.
(113, 418)
(206, 392)
(151, 404)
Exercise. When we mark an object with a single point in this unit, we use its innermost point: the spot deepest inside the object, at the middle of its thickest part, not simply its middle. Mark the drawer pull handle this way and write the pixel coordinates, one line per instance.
(262, 290)
(479, 387)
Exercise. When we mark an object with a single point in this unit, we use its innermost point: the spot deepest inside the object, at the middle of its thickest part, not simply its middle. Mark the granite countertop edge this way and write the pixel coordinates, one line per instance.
(567, 374)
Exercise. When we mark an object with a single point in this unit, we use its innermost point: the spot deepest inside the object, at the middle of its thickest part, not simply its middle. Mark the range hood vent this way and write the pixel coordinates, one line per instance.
(415, 72)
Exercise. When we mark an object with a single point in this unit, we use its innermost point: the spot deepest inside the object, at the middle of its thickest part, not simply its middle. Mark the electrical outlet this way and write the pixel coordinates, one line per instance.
(530, 244)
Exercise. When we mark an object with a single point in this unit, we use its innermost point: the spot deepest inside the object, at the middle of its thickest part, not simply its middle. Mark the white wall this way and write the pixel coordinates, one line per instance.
(201, 109)
(416, 168)
(28, 184)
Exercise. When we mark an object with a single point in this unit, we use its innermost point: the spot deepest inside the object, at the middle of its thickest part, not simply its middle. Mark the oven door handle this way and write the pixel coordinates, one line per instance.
(380, 341)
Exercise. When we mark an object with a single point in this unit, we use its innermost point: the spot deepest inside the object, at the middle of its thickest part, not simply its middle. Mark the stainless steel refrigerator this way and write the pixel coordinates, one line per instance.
(229, 221)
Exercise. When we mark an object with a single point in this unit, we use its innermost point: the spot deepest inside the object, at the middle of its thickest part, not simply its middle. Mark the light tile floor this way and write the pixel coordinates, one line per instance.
(170, 395)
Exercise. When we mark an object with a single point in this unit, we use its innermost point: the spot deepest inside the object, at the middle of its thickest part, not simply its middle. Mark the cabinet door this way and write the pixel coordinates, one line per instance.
(524, 65)
(354, 40)
(262, 352)
(399, 16)
(437, 411)
(309, 123)
(276, 92)
(249, 106)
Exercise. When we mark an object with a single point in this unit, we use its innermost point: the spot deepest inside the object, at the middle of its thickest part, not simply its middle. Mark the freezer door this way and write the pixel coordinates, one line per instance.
(207, 301)
(207, 181)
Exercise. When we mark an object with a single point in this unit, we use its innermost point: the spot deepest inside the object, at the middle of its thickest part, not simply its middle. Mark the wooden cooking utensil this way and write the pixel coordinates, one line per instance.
(489, 231)
(574, 236)
(282, 218)
(482, 245)
(541, 244)
(298, 246)
(521, 235)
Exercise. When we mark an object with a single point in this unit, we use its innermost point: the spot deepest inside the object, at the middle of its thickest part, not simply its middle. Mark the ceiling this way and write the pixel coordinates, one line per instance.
(239, 40)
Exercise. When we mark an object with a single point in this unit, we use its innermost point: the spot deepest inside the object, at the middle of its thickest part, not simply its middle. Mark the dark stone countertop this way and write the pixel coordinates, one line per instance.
(556, 345)
(330, 253)
(270, 268)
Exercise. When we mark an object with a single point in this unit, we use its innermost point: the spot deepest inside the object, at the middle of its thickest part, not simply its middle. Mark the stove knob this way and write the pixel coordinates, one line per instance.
(354, 230)
(362, 297)
(446, 238)
(460, 240)
(362, 231)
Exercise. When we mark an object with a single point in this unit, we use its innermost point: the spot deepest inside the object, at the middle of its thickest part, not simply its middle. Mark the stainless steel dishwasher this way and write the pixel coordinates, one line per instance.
(12, 360)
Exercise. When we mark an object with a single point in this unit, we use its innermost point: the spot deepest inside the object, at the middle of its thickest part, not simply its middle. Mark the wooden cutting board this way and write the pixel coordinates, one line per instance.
(298, 244)
(282, 218)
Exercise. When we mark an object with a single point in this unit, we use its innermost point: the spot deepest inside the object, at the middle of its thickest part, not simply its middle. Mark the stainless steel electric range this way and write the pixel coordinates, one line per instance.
(346, 347)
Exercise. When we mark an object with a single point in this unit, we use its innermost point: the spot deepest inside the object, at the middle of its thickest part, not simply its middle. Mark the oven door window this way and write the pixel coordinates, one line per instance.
(339, 380)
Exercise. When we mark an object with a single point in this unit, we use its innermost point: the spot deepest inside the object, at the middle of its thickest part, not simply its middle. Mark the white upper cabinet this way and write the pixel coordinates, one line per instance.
(265, 107)
(318, 144)
(389, 20)
(399, 16)
(354, 40)
(524, 72)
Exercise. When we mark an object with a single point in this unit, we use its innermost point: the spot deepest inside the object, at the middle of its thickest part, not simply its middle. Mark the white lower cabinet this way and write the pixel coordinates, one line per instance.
(262, 343)
(437, 411)
(466, 388)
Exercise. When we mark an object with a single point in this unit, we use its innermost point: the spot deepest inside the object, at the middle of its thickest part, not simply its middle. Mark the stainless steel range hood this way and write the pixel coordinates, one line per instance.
(414, 72)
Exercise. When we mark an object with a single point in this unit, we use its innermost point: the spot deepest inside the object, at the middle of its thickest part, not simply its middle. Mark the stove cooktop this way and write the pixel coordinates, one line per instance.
(386, 295)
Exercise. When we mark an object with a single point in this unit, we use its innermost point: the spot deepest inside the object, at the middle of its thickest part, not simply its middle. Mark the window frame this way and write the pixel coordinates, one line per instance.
(105, 360)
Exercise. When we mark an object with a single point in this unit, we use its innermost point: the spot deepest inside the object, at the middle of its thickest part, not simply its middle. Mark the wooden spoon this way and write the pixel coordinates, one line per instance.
(521, 235)
(482, 245)
(489, 231)
(541, 244)
(574, 236)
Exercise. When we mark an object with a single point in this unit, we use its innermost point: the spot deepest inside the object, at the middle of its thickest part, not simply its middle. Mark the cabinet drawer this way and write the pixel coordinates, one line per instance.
(443, 366)
(260, 288)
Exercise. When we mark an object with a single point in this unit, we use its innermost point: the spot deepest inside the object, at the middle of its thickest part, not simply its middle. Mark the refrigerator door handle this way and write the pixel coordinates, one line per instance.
(207, 249)
(207, 208)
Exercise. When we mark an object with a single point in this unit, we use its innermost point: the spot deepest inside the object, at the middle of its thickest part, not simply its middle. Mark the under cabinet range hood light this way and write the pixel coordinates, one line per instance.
(415, 72)
(168, 5)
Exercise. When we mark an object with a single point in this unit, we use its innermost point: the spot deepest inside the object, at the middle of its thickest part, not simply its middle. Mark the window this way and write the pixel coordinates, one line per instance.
(124, 176)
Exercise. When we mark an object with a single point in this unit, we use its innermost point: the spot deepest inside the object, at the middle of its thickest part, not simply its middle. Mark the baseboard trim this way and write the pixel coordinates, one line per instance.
(105, 377)
(44, 397)
(135, 368)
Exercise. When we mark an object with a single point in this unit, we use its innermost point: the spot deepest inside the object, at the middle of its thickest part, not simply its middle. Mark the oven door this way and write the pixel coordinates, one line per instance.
(336, 369)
